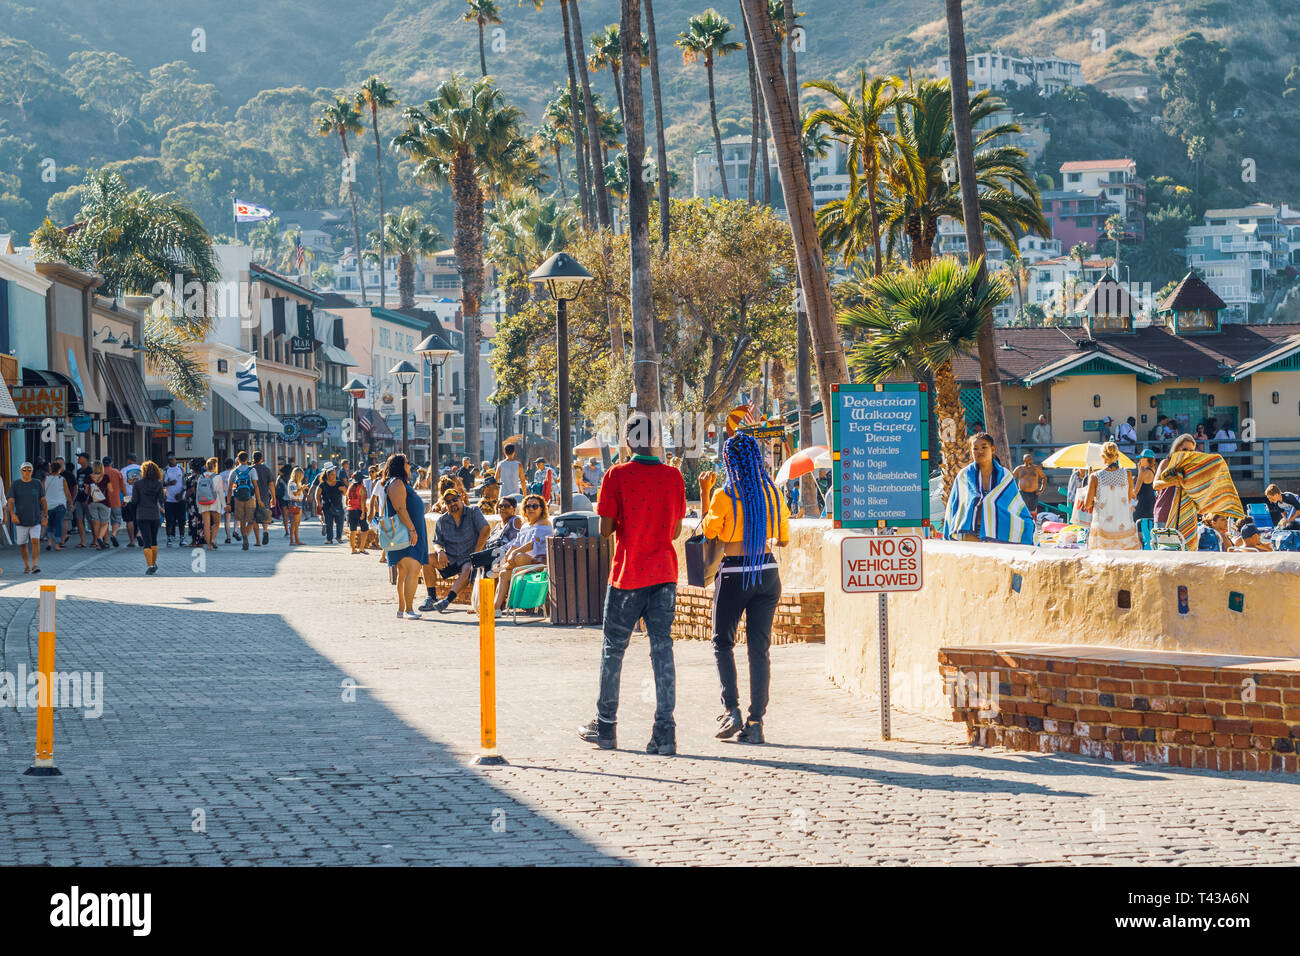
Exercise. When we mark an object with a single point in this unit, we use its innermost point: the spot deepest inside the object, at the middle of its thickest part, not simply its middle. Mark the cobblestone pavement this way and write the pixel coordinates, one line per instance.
(227, 737)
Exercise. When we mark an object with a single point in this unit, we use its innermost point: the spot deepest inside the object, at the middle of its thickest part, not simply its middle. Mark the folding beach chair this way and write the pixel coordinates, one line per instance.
(528, 589)
(1259, 514)
(1167, 539)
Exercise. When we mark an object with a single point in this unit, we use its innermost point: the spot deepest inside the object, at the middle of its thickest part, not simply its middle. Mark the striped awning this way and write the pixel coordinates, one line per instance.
(127, 395)
(7, 407)
(231, 414)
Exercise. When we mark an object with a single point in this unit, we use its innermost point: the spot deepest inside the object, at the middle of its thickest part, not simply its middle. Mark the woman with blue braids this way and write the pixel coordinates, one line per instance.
(745, 514)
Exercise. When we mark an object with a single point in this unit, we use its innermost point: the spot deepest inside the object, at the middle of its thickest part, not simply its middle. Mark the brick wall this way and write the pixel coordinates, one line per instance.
(1207, 711)
(800, 617)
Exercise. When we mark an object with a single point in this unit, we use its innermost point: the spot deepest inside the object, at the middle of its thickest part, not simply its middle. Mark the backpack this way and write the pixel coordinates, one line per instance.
(206, 490)
(243, 483)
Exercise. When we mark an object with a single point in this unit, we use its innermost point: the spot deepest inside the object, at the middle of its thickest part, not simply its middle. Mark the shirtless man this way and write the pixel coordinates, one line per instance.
(1032, 480)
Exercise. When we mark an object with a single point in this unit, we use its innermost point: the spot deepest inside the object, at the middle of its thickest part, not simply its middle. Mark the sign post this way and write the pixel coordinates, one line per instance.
(880, 477)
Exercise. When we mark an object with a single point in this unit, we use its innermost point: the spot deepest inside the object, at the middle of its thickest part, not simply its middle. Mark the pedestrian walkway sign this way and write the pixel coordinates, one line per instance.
(880, 458)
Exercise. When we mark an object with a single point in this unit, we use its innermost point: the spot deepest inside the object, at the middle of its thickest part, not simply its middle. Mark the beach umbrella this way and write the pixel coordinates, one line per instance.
(592, 446)
(1086, 454)
(802, 462)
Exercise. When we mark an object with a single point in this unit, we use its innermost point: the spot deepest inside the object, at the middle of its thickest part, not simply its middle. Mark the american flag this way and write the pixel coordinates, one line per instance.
(300, 252)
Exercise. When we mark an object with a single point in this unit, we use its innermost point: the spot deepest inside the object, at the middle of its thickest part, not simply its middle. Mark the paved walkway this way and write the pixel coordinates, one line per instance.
(268, 707)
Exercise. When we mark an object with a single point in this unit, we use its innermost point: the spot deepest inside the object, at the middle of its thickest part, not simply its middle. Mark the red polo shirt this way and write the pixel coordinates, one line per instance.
(646, 499)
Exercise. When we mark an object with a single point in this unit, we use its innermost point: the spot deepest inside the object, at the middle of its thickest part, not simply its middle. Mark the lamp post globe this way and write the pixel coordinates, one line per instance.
(435, 350)
(405, 373)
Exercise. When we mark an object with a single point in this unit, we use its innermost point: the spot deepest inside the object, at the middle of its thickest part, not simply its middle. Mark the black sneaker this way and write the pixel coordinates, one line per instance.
(266, 537)
(237, 537)
(601, 734)
(429, 603)
(114, 541)
(752, 734)
(442, 605)
(151, 570)
(663, 743)
(730, 724)
(245, 545)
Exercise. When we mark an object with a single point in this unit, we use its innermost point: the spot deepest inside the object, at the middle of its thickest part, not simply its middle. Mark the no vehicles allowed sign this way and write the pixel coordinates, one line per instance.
(880, 563)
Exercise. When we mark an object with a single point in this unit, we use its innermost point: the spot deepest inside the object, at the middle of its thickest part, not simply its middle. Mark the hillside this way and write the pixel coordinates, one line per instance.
(255, 47)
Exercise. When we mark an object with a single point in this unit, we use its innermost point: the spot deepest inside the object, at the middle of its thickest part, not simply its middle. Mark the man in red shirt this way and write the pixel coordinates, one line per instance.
(642, 503)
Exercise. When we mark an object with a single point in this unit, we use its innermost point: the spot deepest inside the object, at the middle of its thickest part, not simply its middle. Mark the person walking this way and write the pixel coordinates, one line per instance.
(329, 501)
(510, 473)
(174, 483)
(193, 516)
(80, 511)
(358, 527)
(1144, 506)
(130, 475)
(26, 506)
(57, 496)
(282, 494)
(244, 498)
(97, 489)
(293, 503)
(1109, 499)
(266, 498)
(641, 506)
(150, 498)
(210, 496)
(401, 501)
(114, 488)
(745, 514)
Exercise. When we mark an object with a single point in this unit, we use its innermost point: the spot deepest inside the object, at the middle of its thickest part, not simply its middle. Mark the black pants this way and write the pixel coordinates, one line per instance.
(355, 521)
(333, 520)
(175, 512)
(148, 530)
(757, 602)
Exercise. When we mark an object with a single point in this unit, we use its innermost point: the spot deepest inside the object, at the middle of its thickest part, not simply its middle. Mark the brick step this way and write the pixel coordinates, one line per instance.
(800, 617)
(1210, 711)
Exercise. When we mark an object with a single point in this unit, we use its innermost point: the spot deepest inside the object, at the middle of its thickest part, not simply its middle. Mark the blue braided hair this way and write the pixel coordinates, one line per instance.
(748, 482)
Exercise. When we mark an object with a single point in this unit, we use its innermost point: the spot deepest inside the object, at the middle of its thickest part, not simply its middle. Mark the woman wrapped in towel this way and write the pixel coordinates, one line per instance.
(985, 502)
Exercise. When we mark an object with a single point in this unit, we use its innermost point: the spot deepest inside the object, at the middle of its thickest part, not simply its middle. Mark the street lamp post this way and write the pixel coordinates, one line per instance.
(564, 279)
(405, 373)
(357, 389)
(434, 350)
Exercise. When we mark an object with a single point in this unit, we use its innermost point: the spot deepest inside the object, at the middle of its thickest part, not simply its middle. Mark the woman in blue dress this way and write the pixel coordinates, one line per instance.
(402, 500)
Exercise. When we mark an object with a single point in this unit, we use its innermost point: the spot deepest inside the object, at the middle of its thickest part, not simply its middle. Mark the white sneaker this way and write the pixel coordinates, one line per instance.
(411, 616)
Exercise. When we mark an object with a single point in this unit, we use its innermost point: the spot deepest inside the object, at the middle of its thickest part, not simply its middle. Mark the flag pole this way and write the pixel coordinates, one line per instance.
(235, 216)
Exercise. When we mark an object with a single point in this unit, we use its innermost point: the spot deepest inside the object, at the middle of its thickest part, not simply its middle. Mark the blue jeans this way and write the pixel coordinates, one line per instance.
(56, 523)
(655, 604)
(333, 520)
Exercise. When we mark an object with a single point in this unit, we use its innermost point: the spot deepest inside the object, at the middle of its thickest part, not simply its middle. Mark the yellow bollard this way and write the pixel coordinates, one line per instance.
(44, 765)
(487, 675)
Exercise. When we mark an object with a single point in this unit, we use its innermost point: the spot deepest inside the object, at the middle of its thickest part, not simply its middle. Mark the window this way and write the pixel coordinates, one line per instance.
(385, 339)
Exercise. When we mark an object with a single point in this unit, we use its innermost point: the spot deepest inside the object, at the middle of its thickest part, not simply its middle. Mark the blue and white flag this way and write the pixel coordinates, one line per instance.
(250, 212)
(250, 390)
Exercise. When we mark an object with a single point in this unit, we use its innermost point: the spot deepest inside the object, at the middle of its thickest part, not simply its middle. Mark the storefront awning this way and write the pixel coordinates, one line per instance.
(231, 414)
(48, 378)
(7, 407)
(374, 425)
(126, 390)
(332, 353)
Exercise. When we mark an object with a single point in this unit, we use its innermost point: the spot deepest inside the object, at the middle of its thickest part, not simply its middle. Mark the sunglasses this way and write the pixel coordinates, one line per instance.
(532, 507)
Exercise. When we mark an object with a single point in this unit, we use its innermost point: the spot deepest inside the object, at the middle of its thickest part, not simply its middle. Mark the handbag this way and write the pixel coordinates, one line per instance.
(703, 558)
(393, 535)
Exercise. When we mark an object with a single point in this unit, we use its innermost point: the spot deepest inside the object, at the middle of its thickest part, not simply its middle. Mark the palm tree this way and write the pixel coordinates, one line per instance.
(1078, 252)
(572, 12)
(920, 193)
(605, 52)
(407, 236)
(342, 117)
(1115, 230)
(916, 322)
(266, 241)
(827, 347)
(481, 12)
(138, 241)
(661, 148)
(856, 122)
(377, 95)
(705, 38)
(551, 136)
(465, 136)
(523, 230)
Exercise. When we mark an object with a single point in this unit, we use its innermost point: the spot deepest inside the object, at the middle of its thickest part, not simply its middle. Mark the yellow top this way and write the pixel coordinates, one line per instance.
(720, 524)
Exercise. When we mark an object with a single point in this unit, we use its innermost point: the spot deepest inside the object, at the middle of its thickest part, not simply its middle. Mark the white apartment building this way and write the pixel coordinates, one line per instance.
(1118, 180)
(993, 71)
(1035, 249)
(829, 173)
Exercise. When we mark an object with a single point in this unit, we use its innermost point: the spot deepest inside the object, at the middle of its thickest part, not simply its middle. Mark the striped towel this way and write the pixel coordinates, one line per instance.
(1207, 488)
(1002, 516)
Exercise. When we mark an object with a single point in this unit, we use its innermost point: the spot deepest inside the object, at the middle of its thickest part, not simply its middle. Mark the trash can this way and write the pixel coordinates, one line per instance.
(578, 573)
